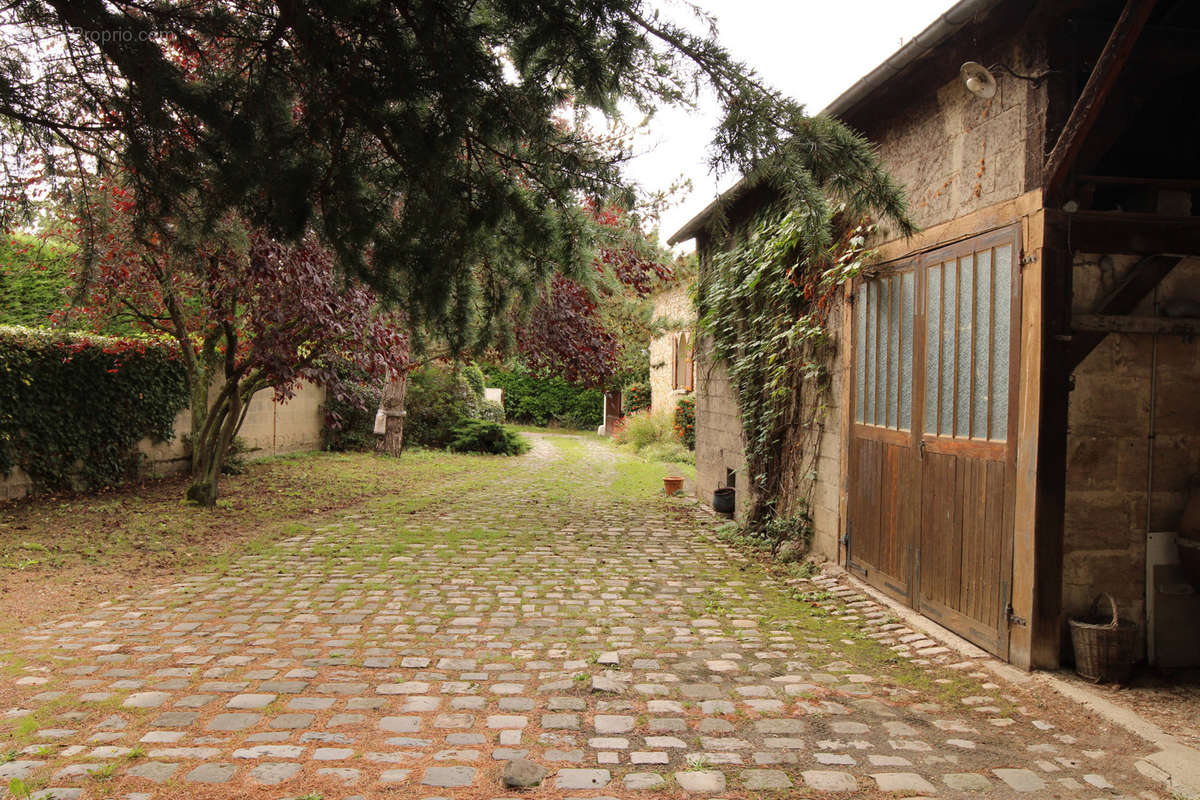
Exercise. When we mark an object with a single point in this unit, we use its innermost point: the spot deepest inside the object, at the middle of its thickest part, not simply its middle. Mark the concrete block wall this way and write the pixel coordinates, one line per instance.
(270, 428)
(672, 307)
(1108, 448)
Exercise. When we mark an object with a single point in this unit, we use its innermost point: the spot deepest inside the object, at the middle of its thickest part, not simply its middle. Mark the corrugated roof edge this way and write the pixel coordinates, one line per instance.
(938, 32)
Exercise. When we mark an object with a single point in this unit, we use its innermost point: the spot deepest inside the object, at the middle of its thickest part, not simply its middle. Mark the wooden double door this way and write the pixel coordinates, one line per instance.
(931, 451)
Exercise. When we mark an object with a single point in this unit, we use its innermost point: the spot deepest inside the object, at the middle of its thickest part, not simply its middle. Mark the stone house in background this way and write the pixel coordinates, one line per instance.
(1015, 418)
(672, 371)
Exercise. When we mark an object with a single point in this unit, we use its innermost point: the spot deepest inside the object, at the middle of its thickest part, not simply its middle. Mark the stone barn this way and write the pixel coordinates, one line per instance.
(1015, 425)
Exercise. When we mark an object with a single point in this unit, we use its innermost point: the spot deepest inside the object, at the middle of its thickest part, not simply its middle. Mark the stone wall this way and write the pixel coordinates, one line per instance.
(672, 307)
(955, 153)
(270, 429)
(720, 442)
(1104, 546)
(826, 501)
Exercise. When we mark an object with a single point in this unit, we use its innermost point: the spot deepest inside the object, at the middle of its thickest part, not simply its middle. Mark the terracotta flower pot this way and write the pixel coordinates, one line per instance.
(672, 485)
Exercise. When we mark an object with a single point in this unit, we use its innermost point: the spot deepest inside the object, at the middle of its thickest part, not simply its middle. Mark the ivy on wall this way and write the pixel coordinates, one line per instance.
(764, 303)
(73, 407)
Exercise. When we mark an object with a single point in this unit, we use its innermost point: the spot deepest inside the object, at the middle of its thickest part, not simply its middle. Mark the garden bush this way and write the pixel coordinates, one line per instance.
(73, 407)
(652, 436)
(491, 411)
(350, 420)
(685, 421)
(637, 397)
(482, 436)
(475, 379)
(438, 399)
(545, 401)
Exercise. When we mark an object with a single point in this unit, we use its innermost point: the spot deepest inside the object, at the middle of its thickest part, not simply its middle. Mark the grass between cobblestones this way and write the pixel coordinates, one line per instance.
(501, 580)
(58, 552)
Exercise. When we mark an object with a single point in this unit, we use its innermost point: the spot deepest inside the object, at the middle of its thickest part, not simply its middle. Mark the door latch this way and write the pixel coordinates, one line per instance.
(1013, 619)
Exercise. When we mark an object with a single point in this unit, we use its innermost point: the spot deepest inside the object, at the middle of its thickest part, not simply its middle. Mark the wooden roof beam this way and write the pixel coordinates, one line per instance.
(1095, 92)
(1124, 297)
(1119, 323)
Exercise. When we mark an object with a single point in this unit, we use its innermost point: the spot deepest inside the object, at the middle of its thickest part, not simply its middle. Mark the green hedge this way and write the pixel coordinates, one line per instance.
(350, 424)
(73, 407)
(544, 401)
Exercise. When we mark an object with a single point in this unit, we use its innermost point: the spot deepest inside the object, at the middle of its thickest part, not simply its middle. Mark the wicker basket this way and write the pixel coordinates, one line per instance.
(1104, 647)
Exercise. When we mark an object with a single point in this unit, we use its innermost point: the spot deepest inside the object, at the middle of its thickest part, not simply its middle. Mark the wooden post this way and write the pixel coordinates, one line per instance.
(1035, 632)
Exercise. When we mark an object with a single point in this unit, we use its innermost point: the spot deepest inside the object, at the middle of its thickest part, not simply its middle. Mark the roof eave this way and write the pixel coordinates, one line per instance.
(912, 51)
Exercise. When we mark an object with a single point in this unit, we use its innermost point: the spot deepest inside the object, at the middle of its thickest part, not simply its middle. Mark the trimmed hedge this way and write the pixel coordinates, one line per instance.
(73, 407)
(542, 401)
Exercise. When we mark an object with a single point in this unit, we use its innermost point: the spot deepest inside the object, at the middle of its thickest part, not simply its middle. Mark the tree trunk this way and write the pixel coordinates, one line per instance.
(394, 392)
(211, 444)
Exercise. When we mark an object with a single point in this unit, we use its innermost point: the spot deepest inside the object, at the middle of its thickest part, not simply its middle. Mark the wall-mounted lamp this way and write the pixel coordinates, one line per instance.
(979, 79)
(982, 83)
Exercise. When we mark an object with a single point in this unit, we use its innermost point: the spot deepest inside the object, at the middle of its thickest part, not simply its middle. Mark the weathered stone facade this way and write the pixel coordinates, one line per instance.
(1108, 449)
(720, 441)
(673, 308)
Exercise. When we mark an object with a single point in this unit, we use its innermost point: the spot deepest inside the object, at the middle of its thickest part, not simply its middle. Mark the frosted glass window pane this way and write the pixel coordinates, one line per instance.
(893, 350)
(1000, 341)
(872, 352)
(949, 354)
(860, 351)
(962, 405)
(907, 302)
(933, 338)
(981, 389)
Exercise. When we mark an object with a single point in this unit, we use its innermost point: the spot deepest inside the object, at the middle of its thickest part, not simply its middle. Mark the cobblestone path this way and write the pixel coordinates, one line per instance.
(570, 616)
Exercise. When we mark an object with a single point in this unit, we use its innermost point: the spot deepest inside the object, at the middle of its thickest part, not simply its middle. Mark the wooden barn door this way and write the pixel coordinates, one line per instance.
(885, 475)
(931, 488)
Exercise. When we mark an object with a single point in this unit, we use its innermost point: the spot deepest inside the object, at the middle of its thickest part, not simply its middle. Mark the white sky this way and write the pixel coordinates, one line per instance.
(812, 50)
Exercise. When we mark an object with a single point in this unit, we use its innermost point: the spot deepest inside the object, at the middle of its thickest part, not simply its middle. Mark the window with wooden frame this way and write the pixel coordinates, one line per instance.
(884, 310)
(968, 331)
(933, 339)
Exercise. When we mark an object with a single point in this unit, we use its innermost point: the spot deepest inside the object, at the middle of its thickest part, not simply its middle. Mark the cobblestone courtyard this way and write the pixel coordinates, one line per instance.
(567, 614)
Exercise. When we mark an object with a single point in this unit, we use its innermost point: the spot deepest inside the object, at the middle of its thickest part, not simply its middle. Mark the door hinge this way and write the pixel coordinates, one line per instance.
(1013, 619)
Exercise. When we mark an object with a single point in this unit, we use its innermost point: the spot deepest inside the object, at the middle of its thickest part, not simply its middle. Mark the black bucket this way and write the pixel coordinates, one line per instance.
(723, 500)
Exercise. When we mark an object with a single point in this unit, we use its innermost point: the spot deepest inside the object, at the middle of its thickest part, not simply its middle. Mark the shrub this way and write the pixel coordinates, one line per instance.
(438, 399)
(542, 401)
(491, 411)
(644, 428)
(73, 407)
(482, 436)
(637, 397)
(685, 421)
(475, 379)
(350, 420)
(668, 452)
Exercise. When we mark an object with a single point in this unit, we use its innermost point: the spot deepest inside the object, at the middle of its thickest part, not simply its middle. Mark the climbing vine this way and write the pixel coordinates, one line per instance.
(765, 304)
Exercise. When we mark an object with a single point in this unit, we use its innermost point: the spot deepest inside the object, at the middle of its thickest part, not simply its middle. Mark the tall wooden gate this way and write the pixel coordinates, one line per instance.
(932, 455)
